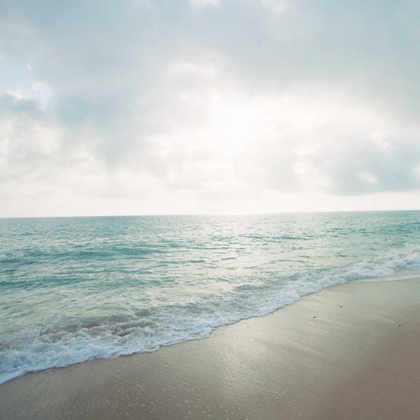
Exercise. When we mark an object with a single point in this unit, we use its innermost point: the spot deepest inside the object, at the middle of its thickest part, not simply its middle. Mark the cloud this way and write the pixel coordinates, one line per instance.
(209, 99)
(28, 143)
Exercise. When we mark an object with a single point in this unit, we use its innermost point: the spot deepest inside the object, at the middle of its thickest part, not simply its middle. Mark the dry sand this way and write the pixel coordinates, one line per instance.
(348, 352)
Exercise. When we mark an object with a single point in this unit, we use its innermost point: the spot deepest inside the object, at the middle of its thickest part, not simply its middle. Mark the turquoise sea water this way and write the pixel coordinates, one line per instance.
(74, 289)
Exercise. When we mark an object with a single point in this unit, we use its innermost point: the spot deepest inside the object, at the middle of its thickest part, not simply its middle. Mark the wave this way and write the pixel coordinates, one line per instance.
(38, 348)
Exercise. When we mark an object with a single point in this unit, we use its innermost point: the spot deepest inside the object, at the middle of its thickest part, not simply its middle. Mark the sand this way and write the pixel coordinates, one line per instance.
(348, 352)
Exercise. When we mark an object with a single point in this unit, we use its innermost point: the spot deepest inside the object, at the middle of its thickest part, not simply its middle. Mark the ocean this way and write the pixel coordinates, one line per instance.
(76, 289)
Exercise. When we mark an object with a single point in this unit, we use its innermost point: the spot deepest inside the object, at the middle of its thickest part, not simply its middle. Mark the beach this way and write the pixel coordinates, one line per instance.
(210, 210)
(347, 352)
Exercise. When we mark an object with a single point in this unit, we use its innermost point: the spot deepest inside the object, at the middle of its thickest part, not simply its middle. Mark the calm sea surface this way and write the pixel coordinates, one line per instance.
(74, 289)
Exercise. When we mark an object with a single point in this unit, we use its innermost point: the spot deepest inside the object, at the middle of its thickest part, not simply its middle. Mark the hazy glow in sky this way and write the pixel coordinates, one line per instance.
(208, 106)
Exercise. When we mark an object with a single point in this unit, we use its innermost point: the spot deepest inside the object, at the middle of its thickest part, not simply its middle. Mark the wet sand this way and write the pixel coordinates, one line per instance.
(348, 352)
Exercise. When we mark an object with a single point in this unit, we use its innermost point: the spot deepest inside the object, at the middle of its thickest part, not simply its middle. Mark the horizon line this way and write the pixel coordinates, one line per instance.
(211, 214)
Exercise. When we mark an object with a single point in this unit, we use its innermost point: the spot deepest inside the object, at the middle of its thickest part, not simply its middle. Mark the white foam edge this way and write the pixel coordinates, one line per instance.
(410, 274)
(8, 376)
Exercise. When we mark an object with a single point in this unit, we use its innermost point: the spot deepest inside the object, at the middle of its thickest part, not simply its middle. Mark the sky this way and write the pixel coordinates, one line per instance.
(124, 107)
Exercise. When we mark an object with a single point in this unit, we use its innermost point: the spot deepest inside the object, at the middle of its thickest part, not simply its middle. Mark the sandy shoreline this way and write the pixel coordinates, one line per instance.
(348, 352)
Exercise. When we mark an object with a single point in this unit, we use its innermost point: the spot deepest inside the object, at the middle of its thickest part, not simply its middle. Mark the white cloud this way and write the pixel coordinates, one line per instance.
(276, 6)
(208, 102)
(370, 179)
(202, 3)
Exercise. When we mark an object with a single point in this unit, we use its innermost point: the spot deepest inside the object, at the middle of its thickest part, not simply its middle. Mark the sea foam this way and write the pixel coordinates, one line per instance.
(39, 347)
